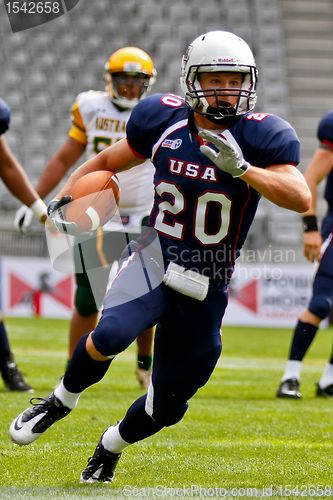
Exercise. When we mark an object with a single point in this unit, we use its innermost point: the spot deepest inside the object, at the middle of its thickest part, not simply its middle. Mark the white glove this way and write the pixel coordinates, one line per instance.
(23, 218)
(227, 158)
(24, 215)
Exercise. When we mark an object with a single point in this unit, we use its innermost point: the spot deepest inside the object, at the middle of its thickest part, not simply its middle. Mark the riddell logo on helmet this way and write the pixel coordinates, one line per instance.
(24, 15)
(225, 60)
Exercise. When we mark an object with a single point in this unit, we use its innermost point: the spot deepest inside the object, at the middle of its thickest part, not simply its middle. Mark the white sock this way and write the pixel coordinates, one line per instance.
(292, 370)
(67, 398)
(112, 440)
(327, 376)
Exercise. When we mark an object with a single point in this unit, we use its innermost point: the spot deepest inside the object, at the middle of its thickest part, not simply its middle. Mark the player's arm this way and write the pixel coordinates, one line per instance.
(14, 176)
(115, 158)
(319, 167)
(283, 185)
(17, 181)
(59, 165)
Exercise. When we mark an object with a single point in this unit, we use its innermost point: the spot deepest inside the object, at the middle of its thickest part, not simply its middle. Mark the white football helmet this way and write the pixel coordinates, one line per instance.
(219, 51)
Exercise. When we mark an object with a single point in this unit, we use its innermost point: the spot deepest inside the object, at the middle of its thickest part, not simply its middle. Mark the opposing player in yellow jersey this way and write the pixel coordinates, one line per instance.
(99, 120)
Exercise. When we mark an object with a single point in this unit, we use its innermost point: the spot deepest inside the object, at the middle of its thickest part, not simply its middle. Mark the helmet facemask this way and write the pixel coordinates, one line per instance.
(127, 88)
(196, 97)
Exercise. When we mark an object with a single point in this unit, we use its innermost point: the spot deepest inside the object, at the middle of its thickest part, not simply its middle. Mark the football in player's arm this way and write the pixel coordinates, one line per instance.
(213, 158)
(318, 246)
(99, 120)
(17, 182)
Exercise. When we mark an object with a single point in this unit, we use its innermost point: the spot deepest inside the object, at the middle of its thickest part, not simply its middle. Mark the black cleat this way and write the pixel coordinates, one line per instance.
(13, 378)
(101, 466)
(289, 389)
(31, 423)
(326, 392)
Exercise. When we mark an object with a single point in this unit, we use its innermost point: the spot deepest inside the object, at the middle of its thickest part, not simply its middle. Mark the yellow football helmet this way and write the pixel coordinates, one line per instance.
(129, 76)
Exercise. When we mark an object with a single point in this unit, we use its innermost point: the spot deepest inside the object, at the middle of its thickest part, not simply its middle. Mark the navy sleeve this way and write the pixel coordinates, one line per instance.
(325, 130)
(4, 117)
(148, 121)
(270, 141)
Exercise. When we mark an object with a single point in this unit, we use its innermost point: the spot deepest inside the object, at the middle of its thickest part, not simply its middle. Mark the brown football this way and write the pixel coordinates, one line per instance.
(95, 200)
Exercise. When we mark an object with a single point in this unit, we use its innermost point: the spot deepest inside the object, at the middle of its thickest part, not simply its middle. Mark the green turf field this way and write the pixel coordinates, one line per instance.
(236, 434)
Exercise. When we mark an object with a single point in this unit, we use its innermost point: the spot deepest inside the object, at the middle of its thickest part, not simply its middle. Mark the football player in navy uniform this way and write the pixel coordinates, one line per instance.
(317, 247)
(15, 179)
(213, 159)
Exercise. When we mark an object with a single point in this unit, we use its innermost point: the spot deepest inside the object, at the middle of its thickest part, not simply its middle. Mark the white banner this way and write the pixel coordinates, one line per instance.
(268, 295)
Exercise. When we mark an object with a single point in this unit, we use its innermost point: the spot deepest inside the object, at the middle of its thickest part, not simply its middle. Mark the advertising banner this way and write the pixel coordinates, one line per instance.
(30, 286)
(268, 295)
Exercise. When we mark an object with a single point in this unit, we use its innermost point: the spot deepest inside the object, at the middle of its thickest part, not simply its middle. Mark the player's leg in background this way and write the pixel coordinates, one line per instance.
(306, 329)
(91, 277)
(144, 357)
(325, 384)
(113, 246)
(85, 314)
(11, 375)
(303, 335)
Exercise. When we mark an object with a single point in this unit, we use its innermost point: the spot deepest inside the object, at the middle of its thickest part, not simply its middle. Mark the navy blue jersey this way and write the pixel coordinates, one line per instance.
(325, 135)
(202, 214)
(4, 117)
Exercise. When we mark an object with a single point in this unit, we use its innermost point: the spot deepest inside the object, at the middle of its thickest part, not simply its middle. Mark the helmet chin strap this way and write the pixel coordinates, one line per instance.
(224, 113)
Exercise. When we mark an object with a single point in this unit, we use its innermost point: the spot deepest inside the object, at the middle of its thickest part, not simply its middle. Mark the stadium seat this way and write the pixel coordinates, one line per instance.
(179, 12)
(37, 80)
(46, 62)
(14, 98)
(150, 11)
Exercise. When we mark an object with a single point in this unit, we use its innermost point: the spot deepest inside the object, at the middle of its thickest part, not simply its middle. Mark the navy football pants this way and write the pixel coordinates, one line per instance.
(187, 340)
